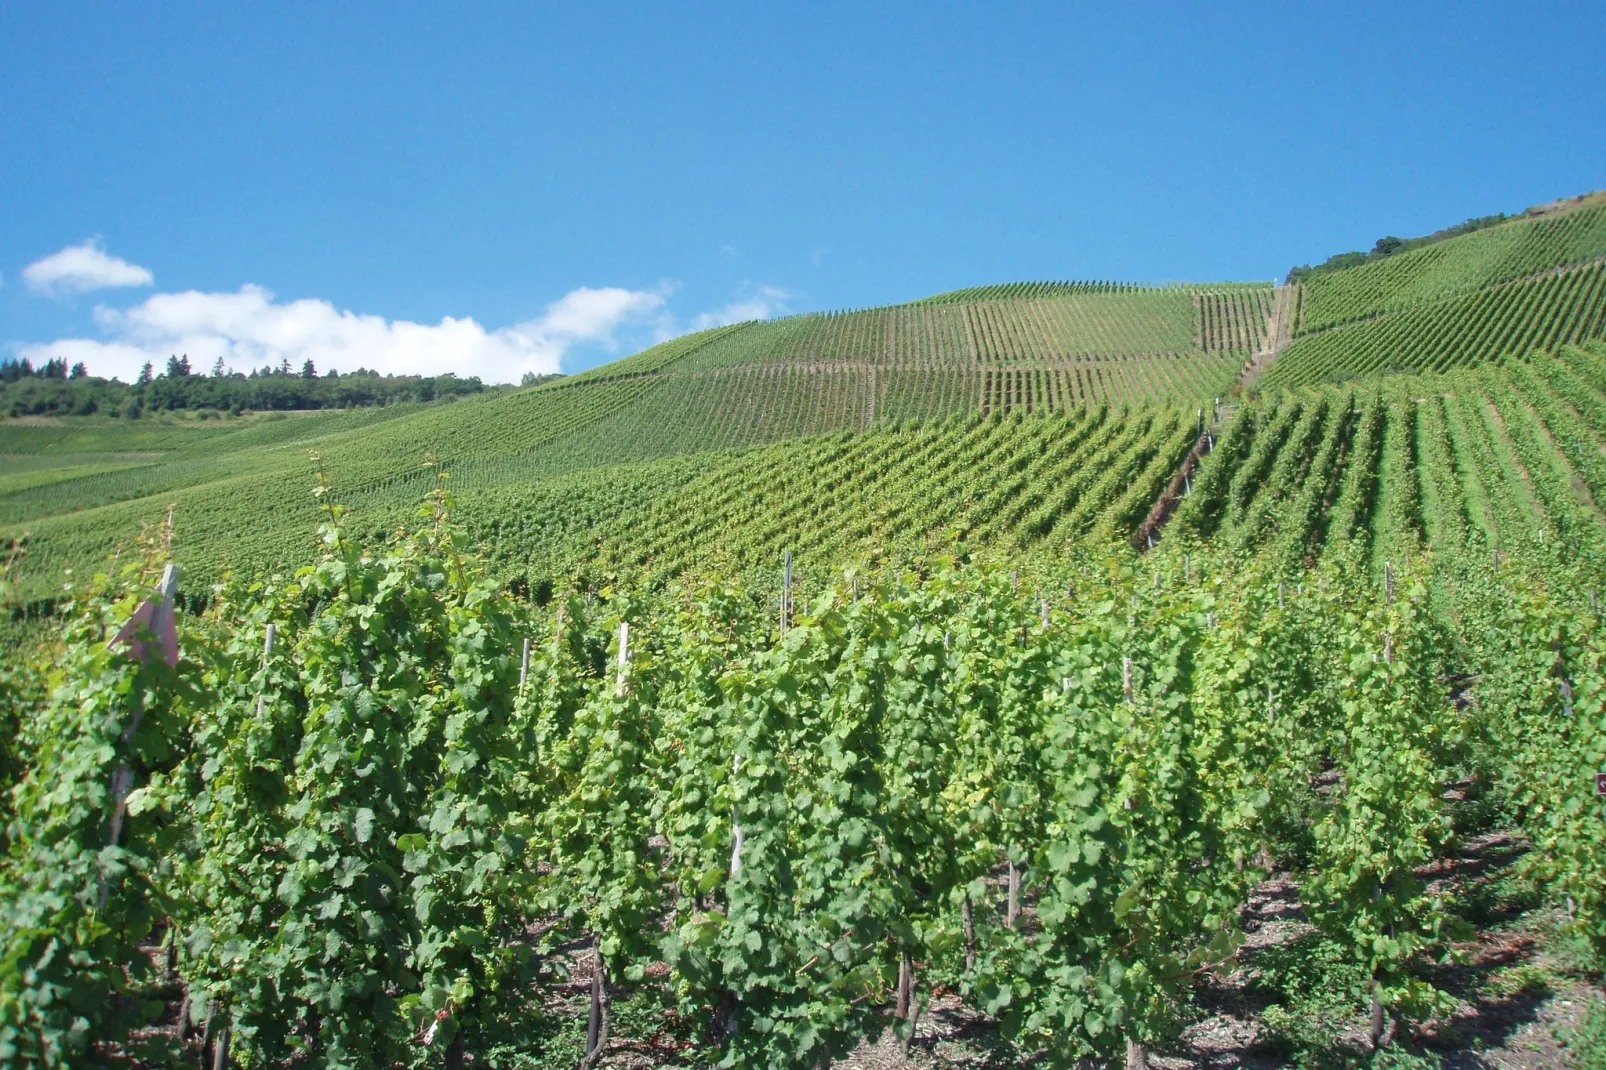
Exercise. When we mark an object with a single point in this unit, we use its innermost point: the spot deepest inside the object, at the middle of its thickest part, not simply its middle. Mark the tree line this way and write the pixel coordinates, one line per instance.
(57, 389)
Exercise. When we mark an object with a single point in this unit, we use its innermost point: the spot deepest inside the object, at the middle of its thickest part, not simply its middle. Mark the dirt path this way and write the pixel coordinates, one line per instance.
(1279, 332)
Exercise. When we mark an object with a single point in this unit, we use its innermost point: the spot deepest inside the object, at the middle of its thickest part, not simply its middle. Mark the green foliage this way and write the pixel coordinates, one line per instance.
(82, 880)
(1470, 256)
(1586, 1045)
(1001, 752)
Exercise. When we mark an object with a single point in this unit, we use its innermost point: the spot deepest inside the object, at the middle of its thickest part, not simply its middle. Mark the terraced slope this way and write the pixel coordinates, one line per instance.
(242, 495)
(1531, 282)
(1507, 456)
(1460, 265)
(1023, 417)
(1555, 308)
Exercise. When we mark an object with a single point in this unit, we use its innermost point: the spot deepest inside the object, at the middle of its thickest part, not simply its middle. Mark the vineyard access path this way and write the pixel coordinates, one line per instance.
(1279, 332)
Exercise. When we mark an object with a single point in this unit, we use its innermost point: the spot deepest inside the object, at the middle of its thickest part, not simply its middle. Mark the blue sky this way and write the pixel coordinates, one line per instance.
(496, 188)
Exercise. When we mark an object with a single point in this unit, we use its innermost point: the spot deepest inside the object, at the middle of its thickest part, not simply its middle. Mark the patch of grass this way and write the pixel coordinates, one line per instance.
(1319, 990)
(1313, 970)
(1527, 979)
(1321, 994)
(1492, 901)
(1586, 1045)
(1476, 809)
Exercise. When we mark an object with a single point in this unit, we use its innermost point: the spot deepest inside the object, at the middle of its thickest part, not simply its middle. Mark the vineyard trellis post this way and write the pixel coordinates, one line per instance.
(738, 837)
(596, 1023)
(624, 659)
(968, 916)
(786, 590)
(220, 1050)
(268, 635)
(598, 1018)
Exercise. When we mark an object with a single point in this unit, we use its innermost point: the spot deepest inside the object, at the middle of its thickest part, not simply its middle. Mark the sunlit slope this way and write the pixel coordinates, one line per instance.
(1471, 262)
(1557, 307)
(1507, 456)
(242, 496)
(1055, 347)
(737, 386)
(1530, 282)
(1301, 473)
(1510, 454)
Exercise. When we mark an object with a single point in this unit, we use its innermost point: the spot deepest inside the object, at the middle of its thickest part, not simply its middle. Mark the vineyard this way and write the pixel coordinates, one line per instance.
(1474, 262)
(802, 687)
(1564, 305)
(1065, 350)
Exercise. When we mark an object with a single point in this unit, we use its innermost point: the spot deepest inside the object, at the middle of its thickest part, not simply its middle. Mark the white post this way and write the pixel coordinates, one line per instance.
(624, 658)
(524, 665)
(737, 837)
(786, 589)
(267, 648)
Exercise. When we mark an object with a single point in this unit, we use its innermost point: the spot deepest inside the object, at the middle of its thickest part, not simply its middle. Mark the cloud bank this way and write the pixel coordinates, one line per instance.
(81, 268)
(251, 328)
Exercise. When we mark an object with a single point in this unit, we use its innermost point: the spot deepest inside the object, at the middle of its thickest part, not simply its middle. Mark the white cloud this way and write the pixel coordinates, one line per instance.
(249, 329)
(757, 303)
(81, 268)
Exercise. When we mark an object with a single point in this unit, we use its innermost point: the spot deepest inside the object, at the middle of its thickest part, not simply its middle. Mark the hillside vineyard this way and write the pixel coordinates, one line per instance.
(786, 678)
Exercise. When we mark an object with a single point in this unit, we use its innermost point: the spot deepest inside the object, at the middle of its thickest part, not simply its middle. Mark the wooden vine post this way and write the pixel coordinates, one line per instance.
(786, 590)
(597, 1021)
